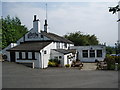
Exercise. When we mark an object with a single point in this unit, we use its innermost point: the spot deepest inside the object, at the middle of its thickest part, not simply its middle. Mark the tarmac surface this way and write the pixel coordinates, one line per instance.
(20, 76)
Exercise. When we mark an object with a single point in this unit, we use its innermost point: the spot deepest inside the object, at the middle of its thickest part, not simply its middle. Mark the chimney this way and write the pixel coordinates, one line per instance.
(34, 18)
(45, 26)
(36, 24)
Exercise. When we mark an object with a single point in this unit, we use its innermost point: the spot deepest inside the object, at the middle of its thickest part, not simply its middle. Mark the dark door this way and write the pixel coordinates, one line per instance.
(12, 56)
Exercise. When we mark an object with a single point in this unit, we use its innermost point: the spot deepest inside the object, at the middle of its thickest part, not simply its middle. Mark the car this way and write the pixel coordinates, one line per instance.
(113, 55)
(118, 54)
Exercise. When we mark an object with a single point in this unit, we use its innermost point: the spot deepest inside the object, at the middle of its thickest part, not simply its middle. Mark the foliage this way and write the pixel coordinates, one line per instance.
(110, 50)
(0, 38)
(111, 60)
(53, 62)
(67, 65)
(12, 30)
(80, 39)
(117, 47)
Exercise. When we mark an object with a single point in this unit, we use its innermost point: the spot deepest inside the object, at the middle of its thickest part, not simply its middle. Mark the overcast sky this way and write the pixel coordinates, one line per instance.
(65, 17)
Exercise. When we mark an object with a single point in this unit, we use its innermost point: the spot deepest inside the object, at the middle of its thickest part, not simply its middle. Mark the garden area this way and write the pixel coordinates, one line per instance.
(109, 63)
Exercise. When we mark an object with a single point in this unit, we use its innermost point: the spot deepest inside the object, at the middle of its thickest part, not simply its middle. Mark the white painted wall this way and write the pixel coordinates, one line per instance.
(36, 62)
(90, 59)
(57, 54)
(36, 26)
(46, 57)
(6, 52)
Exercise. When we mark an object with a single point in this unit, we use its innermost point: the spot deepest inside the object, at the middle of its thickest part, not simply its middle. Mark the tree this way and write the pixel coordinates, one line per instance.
(80, 39)
(12, 30)
(110, 50)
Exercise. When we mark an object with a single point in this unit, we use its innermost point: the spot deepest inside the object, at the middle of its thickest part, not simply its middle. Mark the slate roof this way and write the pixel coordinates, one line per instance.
(56, 37)
(30, 46)
(64, 51)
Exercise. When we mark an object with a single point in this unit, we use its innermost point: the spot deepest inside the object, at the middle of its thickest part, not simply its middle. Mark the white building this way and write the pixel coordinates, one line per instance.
(38, 47)
(90, 53)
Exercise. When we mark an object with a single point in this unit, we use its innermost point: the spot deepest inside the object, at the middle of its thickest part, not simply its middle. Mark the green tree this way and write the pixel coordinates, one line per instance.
(80, 39)
(110, 50)
(12, 30)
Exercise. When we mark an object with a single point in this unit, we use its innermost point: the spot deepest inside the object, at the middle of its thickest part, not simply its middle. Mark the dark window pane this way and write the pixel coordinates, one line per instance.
(33, 55)
(20, 55)
(41, 36)
(92, 53)
(65, 44)
(26, 55)
(99, 53)
(60, 57)
(85, 53)
(45, 52)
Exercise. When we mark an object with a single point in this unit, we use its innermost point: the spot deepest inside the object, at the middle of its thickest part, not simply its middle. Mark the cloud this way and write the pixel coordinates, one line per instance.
(91, 18)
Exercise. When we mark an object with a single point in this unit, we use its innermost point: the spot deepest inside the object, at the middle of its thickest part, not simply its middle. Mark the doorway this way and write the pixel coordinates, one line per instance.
(12, 56)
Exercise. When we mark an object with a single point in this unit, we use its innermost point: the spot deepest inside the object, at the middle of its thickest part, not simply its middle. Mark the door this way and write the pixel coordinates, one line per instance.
(12, 56)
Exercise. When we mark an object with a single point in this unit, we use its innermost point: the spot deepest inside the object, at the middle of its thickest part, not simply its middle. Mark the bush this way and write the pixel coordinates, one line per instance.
(67, 65)
(53, 62)
(110, 60)
(117, 59)
(118, 66)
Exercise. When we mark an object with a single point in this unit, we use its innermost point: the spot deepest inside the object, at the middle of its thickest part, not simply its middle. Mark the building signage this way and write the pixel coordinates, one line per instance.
(33, 35)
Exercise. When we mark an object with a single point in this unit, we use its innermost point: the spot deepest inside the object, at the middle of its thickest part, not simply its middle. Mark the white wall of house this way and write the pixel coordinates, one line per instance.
(60, 45)
(30, 60)
(35, 38)
(62, 57)
(57, 55)
(68, 60)
(88, 48)
(45, 54)
(4, 52)
(8, 47)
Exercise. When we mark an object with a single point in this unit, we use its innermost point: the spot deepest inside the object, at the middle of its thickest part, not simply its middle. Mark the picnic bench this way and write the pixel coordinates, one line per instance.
(102, 65)
(77, 64)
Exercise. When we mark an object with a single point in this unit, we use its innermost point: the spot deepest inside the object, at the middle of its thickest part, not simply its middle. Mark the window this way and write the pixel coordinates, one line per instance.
(65, 44)
(85, 53)
(41, 36)
(58, 45)
(45, 52)
(92, 53)
(26, 55)
(60, 57)
(56, 57)
(99, 53)
(20, 55)
(33, 55)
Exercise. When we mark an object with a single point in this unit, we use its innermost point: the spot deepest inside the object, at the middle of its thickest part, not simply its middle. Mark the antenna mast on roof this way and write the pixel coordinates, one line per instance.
(46, 11)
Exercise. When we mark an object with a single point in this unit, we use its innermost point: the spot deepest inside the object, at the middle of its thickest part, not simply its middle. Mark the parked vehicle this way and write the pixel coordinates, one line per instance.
(113, 55)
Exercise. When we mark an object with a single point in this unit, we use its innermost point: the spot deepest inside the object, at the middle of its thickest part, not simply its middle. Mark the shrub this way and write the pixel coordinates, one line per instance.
(110, 60)
(67, 65)
(117, 59)
(53, 62)
(118, 66)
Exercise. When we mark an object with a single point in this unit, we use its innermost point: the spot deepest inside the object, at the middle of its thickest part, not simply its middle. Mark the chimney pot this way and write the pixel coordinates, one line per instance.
(34, 17)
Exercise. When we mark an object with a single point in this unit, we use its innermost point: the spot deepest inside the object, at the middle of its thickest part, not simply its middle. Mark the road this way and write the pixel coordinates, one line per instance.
(20, 76)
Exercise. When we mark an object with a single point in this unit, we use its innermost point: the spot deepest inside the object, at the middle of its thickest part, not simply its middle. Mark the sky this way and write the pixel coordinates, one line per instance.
(66, 17)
